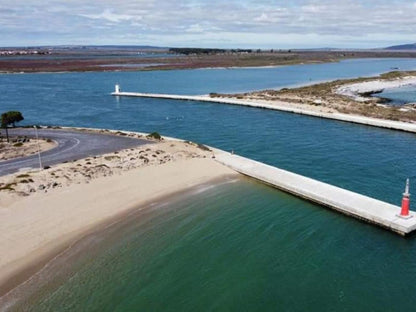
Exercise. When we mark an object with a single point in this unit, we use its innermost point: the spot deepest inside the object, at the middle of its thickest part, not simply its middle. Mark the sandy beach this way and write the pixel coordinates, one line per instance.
(46, 214)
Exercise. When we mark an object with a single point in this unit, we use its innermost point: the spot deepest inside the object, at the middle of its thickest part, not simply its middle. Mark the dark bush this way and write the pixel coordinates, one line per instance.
(154, 135)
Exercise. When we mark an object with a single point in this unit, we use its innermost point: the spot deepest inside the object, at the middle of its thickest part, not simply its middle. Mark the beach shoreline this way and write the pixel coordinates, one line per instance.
(35, 230)
(54, 263)
(30, 270)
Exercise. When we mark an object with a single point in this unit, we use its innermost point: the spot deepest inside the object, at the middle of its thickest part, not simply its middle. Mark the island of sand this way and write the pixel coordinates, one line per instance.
(44, 212)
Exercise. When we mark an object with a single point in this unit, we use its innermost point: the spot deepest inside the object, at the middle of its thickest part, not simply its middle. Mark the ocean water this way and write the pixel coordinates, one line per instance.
(399, 96)
(243, 245)
(239, 246)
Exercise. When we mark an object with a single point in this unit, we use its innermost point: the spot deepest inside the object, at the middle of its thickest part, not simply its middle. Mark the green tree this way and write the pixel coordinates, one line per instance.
(10, 118)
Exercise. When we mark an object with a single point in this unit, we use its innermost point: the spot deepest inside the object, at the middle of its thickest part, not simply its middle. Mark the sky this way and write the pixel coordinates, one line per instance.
(209, 23)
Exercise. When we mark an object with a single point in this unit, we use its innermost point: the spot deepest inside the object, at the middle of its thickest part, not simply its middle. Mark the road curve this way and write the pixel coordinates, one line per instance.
(71, 145)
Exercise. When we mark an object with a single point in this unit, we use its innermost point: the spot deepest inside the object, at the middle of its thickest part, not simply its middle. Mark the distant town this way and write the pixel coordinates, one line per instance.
(12, 52)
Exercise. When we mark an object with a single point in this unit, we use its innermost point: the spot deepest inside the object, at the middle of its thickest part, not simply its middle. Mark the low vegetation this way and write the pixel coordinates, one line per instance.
(324, 96)
(155, 135)
(7, 187)
(24, 175)
(182, 58)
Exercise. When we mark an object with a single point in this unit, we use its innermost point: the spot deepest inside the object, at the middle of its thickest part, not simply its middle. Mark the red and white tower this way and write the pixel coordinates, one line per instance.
(404, 213)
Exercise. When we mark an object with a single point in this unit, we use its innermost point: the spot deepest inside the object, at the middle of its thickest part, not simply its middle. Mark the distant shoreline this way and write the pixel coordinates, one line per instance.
(88, 63)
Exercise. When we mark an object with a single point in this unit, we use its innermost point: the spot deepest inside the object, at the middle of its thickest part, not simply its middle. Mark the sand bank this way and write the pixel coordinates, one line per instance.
(358, 91)
(47, 221)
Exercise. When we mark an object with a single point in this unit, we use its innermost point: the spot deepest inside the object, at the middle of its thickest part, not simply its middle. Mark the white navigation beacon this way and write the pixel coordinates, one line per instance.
(117, 88)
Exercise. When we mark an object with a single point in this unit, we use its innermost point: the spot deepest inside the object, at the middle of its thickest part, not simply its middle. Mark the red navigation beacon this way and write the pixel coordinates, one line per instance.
(404, 213)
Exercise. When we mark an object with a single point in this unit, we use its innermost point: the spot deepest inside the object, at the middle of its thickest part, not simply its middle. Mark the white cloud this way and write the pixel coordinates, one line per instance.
(262, 18)
(195, 28)
(108, 15)
(249, 22)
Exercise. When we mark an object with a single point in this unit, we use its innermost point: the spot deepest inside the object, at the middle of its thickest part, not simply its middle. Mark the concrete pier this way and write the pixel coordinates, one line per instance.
(375, 122)
(359, 206)
(350, 203)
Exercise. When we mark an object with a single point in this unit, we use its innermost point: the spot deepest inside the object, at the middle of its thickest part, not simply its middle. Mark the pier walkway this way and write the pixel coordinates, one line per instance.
(375, 122)
(347, 202)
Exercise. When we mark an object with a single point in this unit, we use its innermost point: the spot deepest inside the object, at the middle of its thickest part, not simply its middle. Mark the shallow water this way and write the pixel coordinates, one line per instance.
(399, 96)
(242, 245)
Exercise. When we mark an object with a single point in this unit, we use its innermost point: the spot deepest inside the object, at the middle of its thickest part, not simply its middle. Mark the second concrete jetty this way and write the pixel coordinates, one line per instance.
(369, 121)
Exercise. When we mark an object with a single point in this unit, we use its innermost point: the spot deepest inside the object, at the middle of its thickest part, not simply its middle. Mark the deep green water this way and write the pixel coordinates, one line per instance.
(236, 247)
(243, 245)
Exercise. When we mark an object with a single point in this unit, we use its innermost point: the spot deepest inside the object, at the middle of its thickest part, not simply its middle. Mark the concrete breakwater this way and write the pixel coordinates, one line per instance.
(375, 122)
(347, 202)
(362, 207)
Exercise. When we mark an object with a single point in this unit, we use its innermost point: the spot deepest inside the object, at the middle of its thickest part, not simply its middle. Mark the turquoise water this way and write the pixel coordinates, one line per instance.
(236, 247)
(243, 245)
(400, 96)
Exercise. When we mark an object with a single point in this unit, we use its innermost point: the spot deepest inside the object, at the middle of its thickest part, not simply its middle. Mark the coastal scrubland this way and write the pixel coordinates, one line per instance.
(116, 60)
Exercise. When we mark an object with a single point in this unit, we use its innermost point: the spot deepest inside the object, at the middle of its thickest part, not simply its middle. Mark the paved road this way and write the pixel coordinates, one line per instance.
(71, 145)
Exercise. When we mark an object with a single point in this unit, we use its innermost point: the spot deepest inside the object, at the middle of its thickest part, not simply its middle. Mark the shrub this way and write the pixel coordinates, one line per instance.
(25, 175)
(7, 187)
(203, 147)
(154, 135)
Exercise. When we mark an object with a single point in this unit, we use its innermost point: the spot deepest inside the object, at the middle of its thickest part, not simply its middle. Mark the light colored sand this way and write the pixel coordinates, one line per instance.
(83, 171)
(9, 150)
(356, 89)
(32, 226)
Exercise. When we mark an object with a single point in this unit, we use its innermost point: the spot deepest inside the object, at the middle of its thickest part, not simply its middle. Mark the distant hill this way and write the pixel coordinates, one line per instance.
(411, 46)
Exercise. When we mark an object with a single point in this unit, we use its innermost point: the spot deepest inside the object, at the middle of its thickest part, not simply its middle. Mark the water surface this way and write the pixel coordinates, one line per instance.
(237, 246)
(399, 96)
